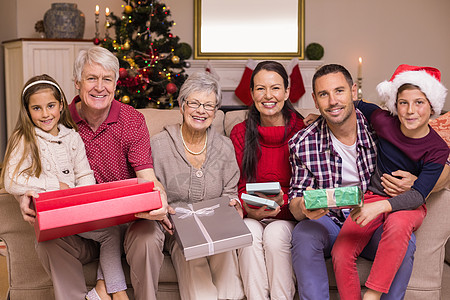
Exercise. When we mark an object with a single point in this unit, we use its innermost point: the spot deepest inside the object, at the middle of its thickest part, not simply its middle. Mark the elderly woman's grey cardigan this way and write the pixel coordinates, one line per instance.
(217, 177)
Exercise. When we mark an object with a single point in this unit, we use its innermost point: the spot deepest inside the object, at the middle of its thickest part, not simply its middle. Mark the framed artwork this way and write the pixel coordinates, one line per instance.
(242, 29)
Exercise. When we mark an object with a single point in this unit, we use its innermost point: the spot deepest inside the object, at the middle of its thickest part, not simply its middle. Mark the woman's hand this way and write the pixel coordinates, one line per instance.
(165, 223)
(260, 213)
(278, 198)
(28, 214)
(368, 212)
(237, 206)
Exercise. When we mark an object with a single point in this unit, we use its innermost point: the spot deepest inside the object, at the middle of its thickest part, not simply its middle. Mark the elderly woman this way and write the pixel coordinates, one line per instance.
(261, 144)
(195, 163)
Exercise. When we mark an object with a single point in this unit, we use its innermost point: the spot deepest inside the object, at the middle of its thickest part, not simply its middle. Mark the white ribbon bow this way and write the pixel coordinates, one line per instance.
(207, 211)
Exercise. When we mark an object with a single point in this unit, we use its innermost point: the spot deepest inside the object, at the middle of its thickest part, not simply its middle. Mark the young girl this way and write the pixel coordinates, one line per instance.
(45, 153)
(406, 142)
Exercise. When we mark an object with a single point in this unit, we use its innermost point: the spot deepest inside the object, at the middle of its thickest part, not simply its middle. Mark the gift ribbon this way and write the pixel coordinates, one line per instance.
(331, 199)
(207, 211)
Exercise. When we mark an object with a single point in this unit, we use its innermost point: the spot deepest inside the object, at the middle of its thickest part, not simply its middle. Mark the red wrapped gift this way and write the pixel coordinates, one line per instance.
(81, 209)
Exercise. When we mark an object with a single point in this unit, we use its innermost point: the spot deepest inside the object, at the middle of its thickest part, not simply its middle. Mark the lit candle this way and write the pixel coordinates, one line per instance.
(107, 11)
(97, 10)
(360, 67)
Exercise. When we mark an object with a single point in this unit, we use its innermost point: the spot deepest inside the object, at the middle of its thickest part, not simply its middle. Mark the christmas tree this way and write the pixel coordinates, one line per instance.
(152, 59)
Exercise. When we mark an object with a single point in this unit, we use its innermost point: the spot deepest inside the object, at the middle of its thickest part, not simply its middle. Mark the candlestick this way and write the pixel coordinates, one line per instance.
(97, 12)
(359, 79)
(107, 25)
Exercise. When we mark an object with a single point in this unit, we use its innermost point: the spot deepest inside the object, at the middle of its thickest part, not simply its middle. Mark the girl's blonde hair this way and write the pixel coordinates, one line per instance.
(24, 130)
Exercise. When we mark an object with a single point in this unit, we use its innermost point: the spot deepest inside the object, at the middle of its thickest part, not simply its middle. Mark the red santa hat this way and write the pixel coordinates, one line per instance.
(428, 79)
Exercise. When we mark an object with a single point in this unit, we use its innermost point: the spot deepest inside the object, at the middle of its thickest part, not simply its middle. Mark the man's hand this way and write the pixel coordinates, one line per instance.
(365, 214)
(260, 213)
(312, 214)
(63, 186)
(159, 214)
(395, 186)
(28, 214)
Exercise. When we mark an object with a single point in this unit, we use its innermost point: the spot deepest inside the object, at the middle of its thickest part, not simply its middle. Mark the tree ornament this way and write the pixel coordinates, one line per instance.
(128, 9)
(125, 99)
(175, 59)
(96, 41)
(187, 64)
(171, 88)
(123, 73)
(127, 45)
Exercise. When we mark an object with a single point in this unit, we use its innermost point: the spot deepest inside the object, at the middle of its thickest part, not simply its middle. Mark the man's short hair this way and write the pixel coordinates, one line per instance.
(96, 55)
(332, 68)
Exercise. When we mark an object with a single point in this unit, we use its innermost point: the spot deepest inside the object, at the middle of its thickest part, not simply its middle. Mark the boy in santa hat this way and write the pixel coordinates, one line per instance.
(406, 142)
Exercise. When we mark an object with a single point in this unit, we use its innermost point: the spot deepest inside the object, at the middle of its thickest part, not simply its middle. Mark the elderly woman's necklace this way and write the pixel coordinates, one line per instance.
(186, 147)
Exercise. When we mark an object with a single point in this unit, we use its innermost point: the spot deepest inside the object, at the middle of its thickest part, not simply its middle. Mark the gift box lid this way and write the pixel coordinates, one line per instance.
(268, 188)
(223, 225)
(80, 209)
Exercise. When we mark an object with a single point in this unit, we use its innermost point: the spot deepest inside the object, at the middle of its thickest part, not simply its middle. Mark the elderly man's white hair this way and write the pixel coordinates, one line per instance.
(96, 55)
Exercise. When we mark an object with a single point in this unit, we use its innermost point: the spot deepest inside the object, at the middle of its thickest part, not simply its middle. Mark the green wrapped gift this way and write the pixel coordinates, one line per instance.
(342, 197)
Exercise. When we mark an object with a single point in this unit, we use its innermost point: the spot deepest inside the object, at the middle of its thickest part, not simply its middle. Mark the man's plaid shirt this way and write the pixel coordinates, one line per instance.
(315, 163)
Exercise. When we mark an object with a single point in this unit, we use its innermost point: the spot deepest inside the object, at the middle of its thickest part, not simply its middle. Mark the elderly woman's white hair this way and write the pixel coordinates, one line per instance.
(200, 82)
(96, 55)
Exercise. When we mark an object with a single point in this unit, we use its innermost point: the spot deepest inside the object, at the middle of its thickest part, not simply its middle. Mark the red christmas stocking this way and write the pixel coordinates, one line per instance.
(243, 89)
(297, 87)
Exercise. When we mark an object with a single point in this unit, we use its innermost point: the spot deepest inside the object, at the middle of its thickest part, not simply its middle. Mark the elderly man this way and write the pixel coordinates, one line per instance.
(118, 147)
(337, 150)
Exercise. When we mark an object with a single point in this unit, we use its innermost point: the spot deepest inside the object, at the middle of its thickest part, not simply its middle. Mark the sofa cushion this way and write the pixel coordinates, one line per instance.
(232, 118)
(156, 119)
(237, 116)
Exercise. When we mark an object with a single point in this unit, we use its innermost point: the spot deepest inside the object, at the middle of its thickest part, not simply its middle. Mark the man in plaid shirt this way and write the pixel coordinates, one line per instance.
(338, 149)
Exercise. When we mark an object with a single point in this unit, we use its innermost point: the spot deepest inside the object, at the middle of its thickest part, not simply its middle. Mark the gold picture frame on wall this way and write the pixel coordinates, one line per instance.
(243, 29)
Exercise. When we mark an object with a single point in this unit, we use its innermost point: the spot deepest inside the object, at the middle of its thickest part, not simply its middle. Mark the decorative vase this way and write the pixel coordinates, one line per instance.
(64, 21)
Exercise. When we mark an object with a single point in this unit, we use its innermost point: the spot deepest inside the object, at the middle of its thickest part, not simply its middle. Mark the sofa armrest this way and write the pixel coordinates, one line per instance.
(431, 239)
(27, 278)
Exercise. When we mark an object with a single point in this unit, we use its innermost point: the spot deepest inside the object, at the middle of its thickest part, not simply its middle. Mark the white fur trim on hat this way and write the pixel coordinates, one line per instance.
(429, 85)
